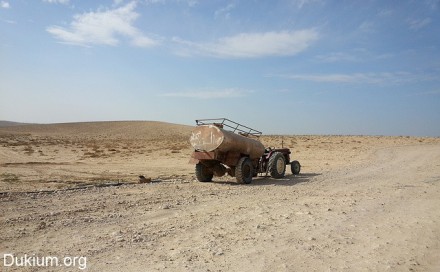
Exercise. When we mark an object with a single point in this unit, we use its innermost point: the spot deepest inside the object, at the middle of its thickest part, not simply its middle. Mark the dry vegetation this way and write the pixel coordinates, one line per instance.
(65, 155)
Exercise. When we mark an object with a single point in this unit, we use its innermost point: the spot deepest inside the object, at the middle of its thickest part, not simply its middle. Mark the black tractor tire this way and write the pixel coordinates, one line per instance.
(244, 171)
(203, 173)
(277, 165)
(295, 167)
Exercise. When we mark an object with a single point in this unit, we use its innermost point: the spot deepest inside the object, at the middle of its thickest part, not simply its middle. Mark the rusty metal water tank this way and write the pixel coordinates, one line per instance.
(210, 138)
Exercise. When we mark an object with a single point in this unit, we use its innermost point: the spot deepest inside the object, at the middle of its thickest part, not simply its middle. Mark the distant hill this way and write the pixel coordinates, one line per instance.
(11, 124)
(110, 130)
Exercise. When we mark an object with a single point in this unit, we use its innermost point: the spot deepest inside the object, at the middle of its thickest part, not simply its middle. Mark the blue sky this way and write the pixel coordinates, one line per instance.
(283, 67)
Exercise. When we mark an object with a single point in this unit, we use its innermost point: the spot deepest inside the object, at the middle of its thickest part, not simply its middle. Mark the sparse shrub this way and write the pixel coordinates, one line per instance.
(8, 177)
(29, 150)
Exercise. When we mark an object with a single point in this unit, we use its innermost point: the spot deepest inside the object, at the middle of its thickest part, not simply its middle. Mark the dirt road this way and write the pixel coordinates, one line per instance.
(378, 215)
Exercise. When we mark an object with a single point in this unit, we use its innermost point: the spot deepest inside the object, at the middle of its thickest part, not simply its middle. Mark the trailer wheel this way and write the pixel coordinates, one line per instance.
(203, 173)
(244, 171)
(277, 165)
(295, 167)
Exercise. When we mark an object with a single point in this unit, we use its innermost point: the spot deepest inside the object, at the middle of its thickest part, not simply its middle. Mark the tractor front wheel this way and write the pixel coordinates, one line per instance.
(295, 167)
(244, 170)
(277, 165)
(203, 173)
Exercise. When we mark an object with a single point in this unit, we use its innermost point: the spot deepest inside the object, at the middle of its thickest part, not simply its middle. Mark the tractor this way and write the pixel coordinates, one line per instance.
(222, 146)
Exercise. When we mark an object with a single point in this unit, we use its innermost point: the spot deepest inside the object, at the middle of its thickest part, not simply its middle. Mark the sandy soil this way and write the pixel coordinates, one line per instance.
(360, 203)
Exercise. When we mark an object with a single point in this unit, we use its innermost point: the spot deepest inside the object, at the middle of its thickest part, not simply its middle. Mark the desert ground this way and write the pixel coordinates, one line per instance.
(360, 203)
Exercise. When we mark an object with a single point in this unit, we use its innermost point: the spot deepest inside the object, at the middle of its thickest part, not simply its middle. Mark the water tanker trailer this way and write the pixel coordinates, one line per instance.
(222, 146)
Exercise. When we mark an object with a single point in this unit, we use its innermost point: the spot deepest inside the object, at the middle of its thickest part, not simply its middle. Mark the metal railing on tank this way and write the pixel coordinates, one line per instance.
(233, 126)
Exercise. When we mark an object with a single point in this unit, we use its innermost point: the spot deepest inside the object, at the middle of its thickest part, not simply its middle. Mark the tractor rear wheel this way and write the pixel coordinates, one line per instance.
(244, 170)
(203, 173)
(277, 165)
(295, 167)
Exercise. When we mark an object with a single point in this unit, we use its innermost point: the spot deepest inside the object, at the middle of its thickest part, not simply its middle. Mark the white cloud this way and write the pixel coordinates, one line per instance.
(117, 2)
(65, 2)
(301, 3)
(339, 78)
(428, 93)
(337, 56)
(356, 55)
(189, 3)
(155, 1)
(192, 3)
(385, 13)
(103, 27)
(4, 4)
(226, 93)
(224, 12)
(362, 78)
(253, 45)
(419, 23)
(367, 26)
(11, 22)
(143, 41)
(432, 4)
